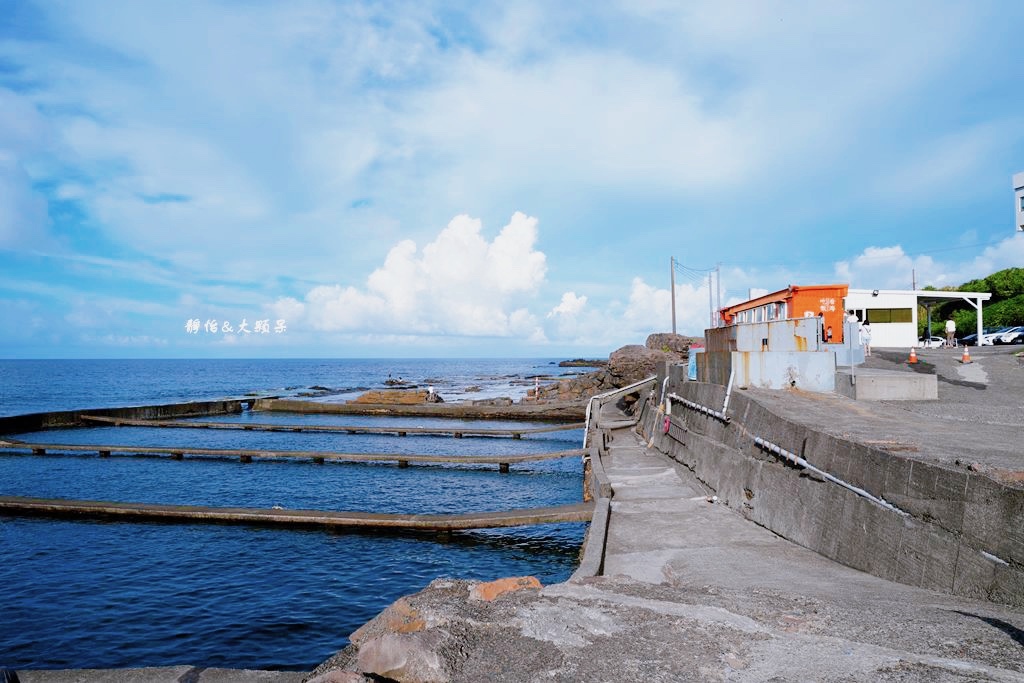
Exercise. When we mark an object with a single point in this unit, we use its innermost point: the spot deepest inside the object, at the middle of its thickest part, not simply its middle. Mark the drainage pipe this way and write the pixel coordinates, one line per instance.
(717, 414)
(797, 460)
(728, 391)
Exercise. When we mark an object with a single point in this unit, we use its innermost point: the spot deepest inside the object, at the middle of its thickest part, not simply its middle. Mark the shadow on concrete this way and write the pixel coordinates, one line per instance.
(923, 367)
(1006, 627)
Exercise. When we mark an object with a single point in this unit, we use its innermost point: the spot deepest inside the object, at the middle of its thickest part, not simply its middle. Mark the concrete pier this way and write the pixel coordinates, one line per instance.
(247, 455)
(92, 509)
(684, 587)
(571, 411)
(457, 432)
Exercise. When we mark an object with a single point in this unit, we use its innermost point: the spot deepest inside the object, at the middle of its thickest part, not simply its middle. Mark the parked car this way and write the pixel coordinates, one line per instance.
(989, 338)
(931, 342)
(986, 337)
(1012, 335)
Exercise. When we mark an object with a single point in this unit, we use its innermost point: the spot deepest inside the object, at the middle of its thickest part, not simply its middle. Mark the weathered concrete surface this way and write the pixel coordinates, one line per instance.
(328, 519)
(978, 417)
(692, 591)
(33, 422)
(566, 411)
(350, 429)
(873, 384)
(959, 527)
(168, 674)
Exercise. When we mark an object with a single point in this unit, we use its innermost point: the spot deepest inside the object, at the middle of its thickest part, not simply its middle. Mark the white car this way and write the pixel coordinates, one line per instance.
(1009, 336)
(989, 338)
(931, 343)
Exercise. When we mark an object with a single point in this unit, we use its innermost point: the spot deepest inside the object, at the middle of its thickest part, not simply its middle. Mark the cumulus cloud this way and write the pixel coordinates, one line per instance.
(892, 268)
(458, 284)
(569, 306)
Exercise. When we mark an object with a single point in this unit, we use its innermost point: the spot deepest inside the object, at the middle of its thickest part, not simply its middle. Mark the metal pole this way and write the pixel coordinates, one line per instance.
(718, 281)
(711, 302)
(672, 276)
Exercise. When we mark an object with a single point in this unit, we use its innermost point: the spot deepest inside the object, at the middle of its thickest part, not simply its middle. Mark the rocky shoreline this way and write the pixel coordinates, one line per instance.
(624, 366)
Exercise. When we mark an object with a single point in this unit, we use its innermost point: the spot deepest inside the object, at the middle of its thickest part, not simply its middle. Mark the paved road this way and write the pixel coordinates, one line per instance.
(977, 421)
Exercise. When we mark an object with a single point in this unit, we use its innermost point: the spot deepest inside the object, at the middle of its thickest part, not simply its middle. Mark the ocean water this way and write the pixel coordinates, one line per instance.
(89, 594)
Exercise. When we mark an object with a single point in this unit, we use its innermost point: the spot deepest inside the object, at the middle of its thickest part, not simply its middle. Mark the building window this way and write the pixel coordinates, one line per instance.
(890, 315)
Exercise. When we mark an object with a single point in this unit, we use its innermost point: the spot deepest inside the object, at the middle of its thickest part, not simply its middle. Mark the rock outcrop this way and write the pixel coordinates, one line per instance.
(426, 637)
(398, 397)
(626, 365)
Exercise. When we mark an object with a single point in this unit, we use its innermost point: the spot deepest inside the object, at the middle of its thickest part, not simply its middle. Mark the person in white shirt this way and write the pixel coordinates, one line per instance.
(950, 331)
(865, 337)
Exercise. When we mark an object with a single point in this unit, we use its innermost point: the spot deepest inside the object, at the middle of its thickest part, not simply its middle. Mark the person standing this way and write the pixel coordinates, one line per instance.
(950, 331)
(865, 337)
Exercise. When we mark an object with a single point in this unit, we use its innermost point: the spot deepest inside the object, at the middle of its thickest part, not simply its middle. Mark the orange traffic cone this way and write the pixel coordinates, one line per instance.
(913, 356)
(966, 358)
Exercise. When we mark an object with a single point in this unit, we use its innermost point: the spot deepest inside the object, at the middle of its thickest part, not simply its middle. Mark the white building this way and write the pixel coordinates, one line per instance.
(1018, 199)
(893, 312)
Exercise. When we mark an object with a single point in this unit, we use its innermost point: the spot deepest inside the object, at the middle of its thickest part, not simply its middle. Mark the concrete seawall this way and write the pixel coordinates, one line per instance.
(955, 531)
(32, 422)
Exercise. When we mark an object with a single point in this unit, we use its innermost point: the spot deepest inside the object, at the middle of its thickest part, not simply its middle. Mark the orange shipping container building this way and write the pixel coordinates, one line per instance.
(796, 301)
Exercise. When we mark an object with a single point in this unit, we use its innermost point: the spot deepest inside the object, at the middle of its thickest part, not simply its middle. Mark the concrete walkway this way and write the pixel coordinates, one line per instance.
(781, 610)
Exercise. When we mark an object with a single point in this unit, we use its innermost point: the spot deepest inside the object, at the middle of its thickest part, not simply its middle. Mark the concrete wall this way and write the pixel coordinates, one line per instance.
(33, 422)
(904, 335)
(771, 355)
(963, 533)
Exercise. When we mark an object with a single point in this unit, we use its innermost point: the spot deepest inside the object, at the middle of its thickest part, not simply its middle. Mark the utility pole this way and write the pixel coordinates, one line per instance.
(672, 277)
(718, 280)
(913, 279)
(711, 301)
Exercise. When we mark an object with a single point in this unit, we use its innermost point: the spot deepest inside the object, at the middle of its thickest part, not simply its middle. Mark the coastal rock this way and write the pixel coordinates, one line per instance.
(497, 401)
(338, 677)
(671, 343)
(392, 397)
(626, 365)
(492, 589)
(398, 617)
(406, 658)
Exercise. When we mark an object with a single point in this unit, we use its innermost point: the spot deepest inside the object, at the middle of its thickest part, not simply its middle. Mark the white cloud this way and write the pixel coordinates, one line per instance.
(569, 306)
(458, 284)
(891, 268)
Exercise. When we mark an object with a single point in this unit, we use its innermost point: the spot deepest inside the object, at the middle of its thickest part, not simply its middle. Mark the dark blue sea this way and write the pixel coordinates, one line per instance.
(87, 594)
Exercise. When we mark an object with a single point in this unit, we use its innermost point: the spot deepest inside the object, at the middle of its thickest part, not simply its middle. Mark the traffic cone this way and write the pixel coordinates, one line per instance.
(966, 358)
(913, 356)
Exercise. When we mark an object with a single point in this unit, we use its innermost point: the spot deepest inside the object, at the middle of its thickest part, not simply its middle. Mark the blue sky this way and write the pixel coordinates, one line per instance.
(484, 179)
